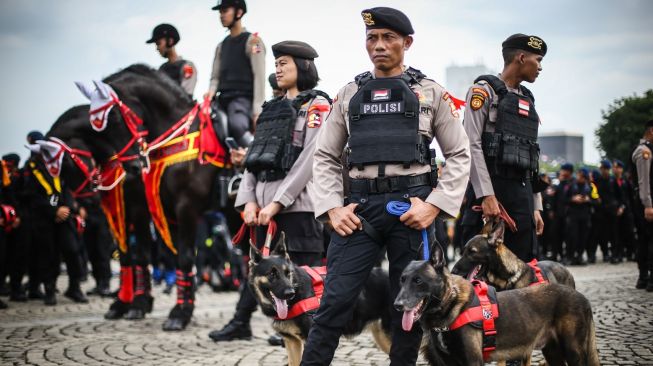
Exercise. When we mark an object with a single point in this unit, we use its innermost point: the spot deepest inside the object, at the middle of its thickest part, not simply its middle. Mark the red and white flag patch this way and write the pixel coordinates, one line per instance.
(524, 107)
(380, 95)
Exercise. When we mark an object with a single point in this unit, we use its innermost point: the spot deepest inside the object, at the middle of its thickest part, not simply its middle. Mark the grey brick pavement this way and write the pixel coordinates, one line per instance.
(72, 334)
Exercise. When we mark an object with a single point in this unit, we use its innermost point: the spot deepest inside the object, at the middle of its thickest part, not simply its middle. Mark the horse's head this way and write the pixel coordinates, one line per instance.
(102, 98)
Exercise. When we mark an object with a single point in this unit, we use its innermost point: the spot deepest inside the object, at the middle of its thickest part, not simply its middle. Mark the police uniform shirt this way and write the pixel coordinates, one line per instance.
(642, 159)
(436, 120)
(187, 74)
(255, 50)
(293, 191)
(481, 107)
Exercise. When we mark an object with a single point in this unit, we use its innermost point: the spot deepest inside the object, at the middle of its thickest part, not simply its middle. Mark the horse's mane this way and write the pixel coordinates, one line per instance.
(154, 75)
(78, 111)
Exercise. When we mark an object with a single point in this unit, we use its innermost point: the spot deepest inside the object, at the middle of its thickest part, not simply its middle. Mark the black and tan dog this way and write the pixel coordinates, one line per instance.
(486, 257)
(551, 317)
(279, 285)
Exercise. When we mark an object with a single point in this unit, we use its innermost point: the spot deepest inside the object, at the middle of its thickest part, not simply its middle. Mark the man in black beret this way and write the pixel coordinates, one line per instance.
(387, 118)
(165, 37)
(642, 177)
(502, 125)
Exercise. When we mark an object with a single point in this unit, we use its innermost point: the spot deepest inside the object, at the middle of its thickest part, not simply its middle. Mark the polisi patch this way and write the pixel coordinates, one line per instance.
(381, 95)
(382, 108)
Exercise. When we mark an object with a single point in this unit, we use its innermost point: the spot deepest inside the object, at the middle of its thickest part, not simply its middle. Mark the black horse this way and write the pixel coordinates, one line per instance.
(157, 105)
(74, 132)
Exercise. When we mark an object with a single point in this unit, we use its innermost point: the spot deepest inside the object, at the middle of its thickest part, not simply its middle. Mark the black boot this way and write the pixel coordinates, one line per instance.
(50, 297)
(18, 296)
(75, 293)
(275, 340)
(34, 291)
(3, 305)
(235, 329)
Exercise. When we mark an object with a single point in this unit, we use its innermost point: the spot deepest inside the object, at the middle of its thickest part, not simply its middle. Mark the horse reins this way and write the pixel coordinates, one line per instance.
(91, 176)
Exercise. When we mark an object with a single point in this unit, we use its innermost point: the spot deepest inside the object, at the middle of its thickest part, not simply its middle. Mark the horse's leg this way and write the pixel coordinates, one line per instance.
(187, 216)
(143, 299)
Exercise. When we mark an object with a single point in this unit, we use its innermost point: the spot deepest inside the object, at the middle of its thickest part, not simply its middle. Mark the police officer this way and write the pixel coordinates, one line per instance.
(386, 119)
(278, 176)
(625, 222)
(98, 242)
(502, 126)
(642, 174)
(166, 37)
(609, 208)
(578, 216)
(565, 177)
(238, 72)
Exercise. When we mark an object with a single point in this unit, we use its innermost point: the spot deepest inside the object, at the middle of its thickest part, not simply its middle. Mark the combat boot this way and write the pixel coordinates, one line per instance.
(50, 297)
(235, 329)
(3, 305)
(75, 293)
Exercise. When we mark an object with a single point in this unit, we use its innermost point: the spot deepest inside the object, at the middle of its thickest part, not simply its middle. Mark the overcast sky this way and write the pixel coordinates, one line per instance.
(597, 50)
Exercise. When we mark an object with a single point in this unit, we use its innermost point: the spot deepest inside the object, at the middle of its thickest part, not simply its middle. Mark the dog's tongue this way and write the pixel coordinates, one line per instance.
(474, 272)
(282, 308)
(408, 319)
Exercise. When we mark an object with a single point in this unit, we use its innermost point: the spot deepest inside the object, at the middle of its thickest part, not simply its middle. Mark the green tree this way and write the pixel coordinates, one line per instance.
(623, 125)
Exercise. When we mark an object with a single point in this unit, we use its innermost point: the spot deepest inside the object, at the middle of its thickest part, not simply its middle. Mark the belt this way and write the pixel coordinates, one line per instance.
(269, 175)
(389, 184)
(507, 172)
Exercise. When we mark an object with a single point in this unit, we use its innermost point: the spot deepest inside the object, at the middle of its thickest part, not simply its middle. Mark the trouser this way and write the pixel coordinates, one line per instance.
(644, 243)
(17, 255)
(55, 241)
(239, 111)
(578, 227)
(624, 238)
(304, 243)
(349, 262)
(99, 245)
(604, 232)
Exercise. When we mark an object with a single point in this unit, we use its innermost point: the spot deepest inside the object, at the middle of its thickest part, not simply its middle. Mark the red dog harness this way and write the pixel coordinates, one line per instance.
(538, 273)
(311, 303)
(486, 312)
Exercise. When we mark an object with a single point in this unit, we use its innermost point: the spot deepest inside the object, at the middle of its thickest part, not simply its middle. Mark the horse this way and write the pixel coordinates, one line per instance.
(158, 116)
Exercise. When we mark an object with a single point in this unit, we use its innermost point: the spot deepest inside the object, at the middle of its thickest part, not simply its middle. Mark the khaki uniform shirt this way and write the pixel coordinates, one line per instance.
(255, 49)
(437, 120)
(292, 192)
(642, 159)
(476, 122)
(188, 75)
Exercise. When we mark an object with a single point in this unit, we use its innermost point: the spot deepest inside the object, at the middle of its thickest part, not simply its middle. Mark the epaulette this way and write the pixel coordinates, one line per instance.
(273, 100)
(495, 83)
(307, 95)
(413, 76)
(361, 79)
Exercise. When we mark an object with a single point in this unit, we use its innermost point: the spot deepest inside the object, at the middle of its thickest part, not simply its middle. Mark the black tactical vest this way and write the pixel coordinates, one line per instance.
(236, 78)
(173, 70)
(513, 144)
(384, 122)
(635, 177)
(272, 153)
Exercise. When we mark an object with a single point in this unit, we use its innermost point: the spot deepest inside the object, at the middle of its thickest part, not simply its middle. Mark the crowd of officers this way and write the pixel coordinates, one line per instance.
(342, 162)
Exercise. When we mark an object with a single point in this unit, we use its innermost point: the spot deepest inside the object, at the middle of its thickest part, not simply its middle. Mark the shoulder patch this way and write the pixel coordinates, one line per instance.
(477, 101)
(187, 71)
(481, 91)
(646, 154)
(255, 43)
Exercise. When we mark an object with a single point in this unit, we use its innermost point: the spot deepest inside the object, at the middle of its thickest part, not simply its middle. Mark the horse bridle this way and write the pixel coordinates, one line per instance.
(91, 176)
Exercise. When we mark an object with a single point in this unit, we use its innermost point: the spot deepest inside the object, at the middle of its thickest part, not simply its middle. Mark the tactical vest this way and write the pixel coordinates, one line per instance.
(272, 152)
(635, 176)
(173, 70)
(384, 122)
(236, 77)
(513, 144)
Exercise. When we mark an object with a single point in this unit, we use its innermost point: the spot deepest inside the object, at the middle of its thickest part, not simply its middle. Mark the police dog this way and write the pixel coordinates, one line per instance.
(278, 284)
(485, 256)
(554, 318)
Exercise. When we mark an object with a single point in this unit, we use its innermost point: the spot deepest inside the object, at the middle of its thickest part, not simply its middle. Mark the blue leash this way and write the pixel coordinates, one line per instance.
(398, 208)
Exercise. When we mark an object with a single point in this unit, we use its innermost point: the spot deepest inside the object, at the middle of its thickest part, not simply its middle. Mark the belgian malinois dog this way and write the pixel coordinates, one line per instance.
(486, 257)
(278, 285)
(554, 318)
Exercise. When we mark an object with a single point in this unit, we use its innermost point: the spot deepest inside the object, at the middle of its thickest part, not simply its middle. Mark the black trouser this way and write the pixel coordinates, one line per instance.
(578, 227)
(17, 255)
(304, 243)
(54, 240)
(604, 231)
(644, 243)
(516, 196)
(624, 238)
(239, 111)
(99, 245)
(349, 262)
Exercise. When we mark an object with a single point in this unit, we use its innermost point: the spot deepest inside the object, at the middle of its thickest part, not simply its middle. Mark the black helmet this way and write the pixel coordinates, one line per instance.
(238, 4)
(164, 31)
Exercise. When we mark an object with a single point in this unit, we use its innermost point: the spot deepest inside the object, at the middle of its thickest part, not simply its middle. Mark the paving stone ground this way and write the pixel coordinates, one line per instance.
(77, 334)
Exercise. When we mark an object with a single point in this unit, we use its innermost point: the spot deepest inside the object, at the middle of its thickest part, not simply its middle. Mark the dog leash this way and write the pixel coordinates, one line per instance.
(503, 214)
(269, 235)
(398, 208)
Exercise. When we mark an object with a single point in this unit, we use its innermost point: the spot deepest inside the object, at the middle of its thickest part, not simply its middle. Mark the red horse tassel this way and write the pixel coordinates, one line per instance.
(126, 293)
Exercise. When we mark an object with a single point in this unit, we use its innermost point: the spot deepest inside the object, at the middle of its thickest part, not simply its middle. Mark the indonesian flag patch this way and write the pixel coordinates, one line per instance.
(380, 95)
(524, 107)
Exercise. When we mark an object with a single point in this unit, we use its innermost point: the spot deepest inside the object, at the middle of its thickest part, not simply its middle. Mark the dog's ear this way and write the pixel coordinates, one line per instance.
(487, 228)
(280, 249)
(437, 257)
(255, 255)
(496, 236)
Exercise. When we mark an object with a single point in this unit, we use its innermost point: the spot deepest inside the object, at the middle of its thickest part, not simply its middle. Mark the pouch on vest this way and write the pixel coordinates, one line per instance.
(273, 136)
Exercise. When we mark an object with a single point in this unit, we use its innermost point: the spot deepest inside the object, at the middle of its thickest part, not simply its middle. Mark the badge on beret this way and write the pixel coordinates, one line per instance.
(535, 42)
(188, 71)
(646, 154)
(477, 101)
(367, 19)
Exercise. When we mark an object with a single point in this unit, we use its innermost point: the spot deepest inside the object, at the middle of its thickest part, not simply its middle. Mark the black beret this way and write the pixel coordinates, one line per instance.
(520, 41)
(164, 31)
(294, 48)
(238, 4)
(382, 17)
(12, 157)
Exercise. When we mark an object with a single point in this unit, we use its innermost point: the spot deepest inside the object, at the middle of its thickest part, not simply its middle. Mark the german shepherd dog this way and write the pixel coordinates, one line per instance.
(278, 284)
(485, 256)
(554, 318)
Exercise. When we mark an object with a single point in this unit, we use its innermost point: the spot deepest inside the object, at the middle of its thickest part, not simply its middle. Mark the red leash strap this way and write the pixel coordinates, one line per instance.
(503, 214)
(538, 273)
(269, 235)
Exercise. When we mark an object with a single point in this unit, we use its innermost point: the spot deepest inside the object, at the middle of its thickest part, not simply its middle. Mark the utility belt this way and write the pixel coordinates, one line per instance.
(390, 184)
(269, 175)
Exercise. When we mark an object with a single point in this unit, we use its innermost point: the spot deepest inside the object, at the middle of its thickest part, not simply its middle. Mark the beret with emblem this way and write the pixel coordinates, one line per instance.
(295, 49)
(533, 44)
(383, 17)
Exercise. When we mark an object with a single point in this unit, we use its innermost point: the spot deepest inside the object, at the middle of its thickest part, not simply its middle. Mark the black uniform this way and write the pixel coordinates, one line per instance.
(559, 228)
(98, 242)
(605, 225)
(626, 222)
(577, 220)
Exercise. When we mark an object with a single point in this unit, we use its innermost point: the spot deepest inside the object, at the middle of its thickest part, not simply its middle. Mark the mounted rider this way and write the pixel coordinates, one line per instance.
(166, 37)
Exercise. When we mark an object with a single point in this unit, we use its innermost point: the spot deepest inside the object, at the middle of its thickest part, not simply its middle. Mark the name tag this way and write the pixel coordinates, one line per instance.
(382, 108)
